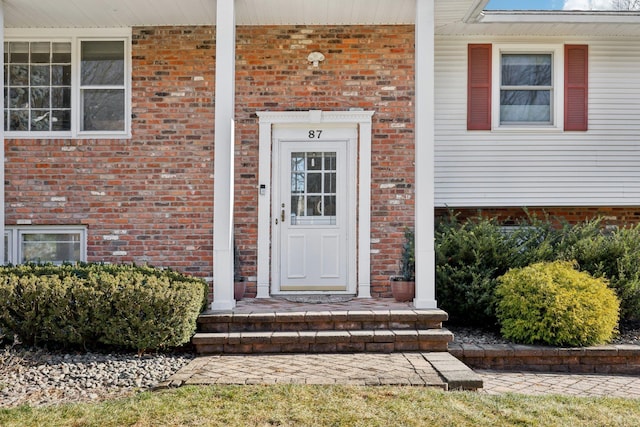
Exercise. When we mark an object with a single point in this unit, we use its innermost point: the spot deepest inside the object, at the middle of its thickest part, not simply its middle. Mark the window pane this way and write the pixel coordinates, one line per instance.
(61, 97)
(526, 70)
(61, 75)
(19, 120)
(314, 183)
(19, 75)
(102, 63)
(297, 183)
(314, 206)
(330, 182)
(297, 161)
(61, 53)
(329, 205)
(19, 52)
(61, 120)
(40, 97)
(103, 109)
(18, 97)
(525, 106)
(40, 53)
(56, 248)
(40, 120)
(297, 206)
(6, 248)
(314, 161)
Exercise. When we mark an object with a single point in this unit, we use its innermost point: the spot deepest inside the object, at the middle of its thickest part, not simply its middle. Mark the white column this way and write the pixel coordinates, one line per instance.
(424, 161)
(2, 134)
(223, 163)
(364, 214)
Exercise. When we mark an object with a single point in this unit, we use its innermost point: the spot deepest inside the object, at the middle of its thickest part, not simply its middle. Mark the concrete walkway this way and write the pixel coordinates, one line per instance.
(438, 369)
(584, 385)
(406, 369)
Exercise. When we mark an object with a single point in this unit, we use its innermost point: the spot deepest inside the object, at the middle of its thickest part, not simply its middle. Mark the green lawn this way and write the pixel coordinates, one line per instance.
(294, 405)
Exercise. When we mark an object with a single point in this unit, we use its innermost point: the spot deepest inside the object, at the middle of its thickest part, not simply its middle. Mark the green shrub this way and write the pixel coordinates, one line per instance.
(471, 255)
(613, 254)
(469, 258)
(89, 304)
(553, 303)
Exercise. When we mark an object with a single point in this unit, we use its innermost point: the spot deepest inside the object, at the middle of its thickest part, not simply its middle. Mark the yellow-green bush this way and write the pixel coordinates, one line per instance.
(90, 304)
(553, 303)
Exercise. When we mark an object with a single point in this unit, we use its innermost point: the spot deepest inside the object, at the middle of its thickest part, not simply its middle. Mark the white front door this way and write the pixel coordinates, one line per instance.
(313, 214)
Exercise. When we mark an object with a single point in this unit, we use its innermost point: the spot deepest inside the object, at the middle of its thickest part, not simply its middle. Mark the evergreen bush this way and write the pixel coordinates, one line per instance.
(472, 254)
(135, 307)
(613, 254)
(553, 303)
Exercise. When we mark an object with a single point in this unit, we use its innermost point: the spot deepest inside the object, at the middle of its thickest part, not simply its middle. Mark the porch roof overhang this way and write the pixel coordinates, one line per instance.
(127, 13)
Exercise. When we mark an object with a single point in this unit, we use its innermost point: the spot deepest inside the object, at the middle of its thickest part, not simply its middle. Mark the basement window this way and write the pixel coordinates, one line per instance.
(45, 244)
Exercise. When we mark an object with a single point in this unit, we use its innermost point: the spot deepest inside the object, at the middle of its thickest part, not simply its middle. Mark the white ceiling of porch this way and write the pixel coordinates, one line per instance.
(126, 13)
(449, 16)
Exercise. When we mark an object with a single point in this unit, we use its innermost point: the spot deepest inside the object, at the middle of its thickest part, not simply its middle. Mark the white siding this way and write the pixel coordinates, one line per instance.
(595, 168)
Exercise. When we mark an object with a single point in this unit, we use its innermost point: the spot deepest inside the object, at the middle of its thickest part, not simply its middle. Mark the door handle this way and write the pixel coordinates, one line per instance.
(282, 215)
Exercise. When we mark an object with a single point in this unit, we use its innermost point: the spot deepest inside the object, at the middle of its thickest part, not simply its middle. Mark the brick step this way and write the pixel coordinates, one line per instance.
(334, 341)
(351, 320)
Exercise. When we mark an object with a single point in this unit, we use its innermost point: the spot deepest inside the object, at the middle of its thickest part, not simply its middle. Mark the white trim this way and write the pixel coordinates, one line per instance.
(223, 267)
(424, 156)
(76, 36)
(560, 16)
(2, 136)
(557, 98)
(362, 119)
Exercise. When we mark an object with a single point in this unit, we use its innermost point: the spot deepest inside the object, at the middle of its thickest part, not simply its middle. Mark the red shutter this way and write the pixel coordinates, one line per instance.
(576, 82)
(479, 87)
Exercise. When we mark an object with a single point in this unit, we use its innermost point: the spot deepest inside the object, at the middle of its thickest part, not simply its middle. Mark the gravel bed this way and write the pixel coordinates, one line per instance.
(464, 335)
(38, 377)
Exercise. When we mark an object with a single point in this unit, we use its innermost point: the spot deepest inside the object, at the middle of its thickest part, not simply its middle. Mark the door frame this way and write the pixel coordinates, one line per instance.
(340, 135)
(360, 119)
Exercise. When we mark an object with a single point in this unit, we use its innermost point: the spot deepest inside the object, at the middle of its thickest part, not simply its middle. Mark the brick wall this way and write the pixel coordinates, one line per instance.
(365, 67)
(144, 199)
(150, 198)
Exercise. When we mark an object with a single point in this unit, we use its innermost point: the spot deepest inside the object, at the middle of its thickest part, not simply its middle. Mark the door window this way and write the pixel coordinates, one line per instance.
(313, 188)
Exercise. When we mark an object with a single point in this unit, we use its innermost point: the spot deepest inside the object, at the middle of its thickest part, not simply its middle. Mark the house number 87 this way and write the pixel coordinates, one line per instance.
(315, 134)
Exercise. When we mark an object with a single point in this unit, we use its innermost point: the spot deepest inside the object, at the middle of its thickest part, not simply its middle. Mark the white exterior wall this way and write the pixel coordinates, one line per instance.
(600, 167)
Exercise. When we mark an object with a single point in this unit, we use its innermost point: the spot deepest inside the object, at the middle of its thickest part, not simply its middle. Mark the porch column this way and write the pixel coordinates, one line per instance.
(223, 298)
(424, 155)
(2, 248)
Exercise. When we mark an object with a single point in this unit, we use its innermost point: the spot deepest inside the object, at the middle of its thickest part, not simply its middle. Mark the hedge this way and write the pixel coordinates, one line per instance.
(128, 306)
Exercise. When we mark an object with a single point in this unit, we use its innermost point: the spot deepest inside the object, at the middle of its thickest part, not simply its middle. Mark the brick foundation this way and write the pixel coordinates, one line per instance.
(614, 215)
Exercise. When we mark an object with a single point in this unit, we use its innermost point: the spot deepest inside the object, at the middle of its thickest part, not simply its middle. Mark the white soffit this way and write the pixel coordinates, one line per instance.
(129, 13)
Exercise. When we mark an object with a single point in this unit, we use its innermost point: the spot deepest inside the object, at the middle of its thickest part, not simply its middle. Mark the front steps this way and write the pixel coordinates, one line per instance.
(337, 330)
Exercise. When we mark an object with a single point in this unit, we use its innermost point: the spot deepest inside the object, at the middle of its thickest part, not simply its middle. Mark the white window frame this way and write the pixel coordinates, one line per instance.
(76, 37)
(557, 93)
(14, 234)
